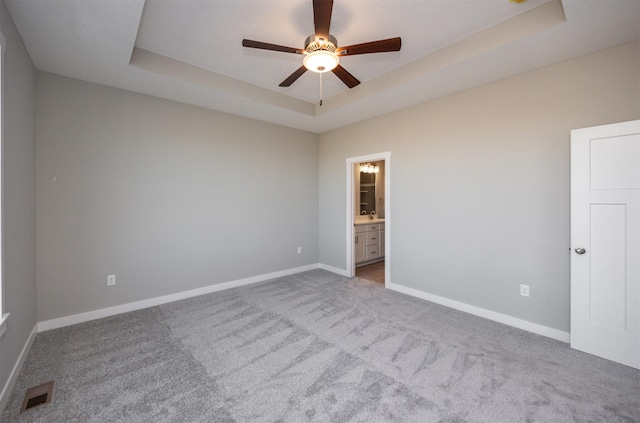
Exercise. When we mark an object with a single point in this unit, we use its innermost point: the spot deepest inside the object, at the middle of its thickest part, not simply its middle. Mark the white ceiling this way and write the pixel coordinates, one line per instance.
(190, 50)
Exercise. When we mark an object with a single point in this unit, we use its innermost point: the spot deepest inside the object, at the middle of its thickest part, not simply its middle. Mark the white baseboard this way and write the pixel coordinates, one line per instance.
(332, 269)
(487, 314)
(13, 376)
(138, 305)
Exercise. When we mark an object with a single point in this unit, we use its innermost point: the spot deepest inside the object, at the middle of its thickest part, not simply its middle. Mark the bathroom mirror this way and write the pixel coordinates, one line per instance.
(367, 193)
(369, 189)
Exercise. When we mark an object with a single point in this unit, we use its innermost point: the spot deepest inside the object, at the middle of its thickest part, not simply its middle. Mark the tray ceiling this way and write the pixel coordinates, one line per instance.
(190, 51)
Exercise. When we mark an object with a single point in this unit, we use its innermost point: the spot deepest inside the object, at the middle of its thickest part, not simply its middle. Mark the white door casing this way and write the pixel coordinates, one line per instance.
(605, 241)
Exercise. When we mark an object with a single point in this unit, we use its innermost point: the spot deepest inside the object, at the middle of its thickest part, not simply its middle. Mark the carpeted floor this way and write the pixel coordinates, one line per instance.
(316, 347)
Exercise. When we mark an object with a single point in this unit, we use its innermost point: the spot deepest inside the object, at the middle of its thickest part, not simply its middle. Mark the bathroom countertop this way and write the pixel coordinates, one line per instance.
(360, 222)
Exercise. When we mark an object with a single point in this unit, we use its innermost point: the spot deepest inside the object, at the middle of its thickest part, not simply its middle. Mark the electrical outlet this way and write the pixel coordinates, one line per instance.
(299, 250)
(111, 280)
(524, 290)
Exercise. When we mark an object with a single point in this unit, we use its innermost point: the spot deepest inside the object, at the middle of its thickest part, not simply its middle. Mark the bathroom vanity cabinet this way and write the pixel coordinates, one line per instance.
(369, 242)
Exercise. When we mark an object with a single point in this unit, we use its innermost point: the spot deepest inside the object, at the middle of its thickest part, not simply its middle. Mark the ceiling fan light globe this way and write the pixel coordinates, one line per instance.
(321, 61)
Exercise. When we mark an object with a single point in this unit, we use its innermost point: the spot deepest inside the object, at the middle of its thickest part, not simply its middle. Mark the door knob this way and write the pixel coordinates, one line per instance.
(580, 250)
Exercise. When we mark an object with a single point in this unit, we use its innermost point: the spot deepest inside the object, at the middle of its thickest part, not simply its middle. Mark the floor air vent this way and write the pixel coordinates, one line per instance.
(37, 395)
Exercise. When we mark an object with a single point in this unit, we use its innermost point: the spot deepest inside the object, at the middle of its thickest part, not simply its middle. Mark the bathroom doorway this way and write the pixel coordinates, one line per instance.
(368, 216)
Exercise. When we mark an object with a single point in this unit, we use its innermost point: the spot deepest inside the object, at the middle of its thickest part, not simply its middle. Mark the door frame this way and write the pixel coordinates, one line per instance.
(350, 229)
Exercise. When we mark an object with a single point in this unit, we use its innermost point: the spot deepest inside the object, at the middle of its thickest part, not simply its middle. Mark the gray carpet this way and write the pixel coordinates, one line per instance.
(316, 347)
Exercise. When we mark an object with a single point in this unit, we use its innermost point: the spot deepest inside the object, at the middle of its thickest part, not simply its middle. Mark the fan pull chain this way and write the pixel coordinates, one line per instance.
(321, 89)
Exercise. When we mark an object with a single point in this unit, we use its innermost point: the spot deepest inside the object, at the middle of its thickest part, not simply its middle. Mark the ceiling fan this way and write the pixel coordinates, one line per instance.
(322, 53)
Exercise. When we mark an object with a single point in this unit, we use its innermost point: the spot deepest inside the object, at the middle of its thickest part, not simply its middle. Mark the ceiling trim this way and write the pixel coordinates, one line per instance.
(177, 69)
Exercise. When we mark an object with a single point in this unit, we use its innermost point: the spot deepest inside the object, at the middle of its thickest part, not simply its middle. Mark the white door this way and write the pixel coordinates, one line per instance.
(605, 241)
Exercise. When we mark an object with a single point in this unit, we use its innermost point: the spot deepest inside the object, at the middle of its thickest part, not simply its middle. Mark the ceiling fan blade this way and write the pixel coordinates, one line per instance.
(349, 80)
(322, 17)
(380, 46)
(267, 46)
(293, 77)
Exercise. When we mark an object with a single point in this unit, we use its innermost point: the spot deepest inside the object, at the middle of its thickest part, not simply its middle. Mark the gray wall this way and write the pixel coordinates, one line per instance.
(168, 197)
(19, 206)
(480, 183)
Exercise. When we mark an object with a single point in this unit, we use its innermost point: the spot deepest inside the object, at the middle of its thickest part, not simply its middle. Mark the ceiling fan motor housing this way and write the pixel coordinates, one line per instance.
(314, 44)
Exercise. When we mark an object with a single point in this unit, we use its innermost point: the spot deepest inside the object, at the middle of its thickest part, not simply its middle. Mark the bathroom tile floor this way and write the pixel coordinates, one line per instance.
(373, 272)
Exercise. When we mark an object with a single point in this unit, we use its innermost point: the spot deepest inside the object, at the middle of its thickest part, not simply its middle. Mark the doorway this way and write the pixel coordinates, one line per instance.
(368, 226)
